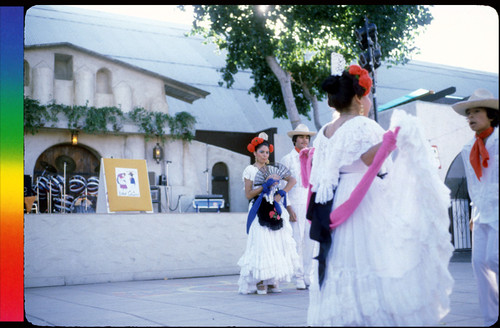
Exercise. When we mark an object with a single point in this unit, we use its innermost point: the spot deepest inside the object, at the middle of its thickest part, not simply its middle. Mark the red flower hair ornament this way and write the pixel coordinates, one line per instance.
(363, 76)
(255, 142)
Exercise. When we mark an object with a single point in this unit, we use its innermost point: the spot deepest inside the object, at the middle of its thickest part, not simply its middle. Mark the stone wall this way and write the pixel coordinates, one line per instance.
(94, 81)
(70, 249)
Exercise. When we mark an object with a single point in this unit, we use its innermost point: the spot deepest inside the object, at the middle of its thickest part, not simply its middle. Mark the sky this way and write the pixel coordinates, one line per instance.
(464, 36)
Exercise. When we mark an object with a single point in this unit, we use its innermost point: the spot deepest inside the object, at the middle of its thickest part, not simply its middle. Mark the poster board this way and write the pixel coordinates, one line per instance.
(123, 186)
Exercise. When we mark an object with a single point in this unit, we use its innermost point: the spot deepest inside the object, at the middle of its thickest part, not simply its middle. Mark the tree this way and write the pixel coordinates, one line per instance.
(287, 47)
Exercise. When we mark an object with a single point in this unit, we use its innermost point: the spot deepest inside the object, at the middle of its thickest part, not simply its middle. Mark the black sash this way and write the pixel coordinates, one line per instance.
(319, 215)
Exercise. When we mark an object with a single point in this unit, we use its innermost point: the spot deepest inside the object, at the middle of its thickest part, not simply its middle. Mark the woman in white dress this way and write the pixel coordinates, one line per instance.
(388, 261)
(270, 256)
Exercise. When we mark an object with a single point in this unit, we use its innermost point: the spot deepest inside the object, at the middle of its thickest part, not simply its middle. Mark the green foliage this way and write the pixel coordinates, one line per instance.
(36, 116)
(182, 126)
(94, 120)
(97, 119)
(290, 32)
(151, 123)
(74, 114)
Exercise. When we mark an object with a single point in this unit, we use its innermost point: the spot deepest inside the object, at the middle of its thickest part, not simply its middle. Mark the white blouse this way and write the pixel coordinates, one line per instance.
(484, 193)
(344, 148)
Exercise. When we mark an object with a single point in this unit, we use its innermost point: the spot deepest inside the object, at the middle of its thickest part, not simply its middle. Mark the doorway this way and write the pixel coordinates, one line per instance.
(220, 183)
(460, 209)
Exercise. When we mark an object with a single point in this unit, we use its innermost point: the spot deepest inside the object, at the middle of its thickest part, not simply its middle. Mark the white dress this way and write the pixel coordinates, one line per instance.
(270, 255)
(297, 198)
(388, 263)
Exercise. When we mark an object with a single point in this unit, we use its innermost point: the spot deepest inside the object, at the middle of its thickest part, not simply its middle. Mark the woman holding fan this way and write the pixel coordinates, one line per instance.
(270, 255)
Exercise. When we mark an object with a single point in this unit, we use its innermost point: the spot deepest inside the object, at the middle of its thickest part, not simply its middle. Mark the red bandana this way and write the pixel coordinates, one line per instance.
(479, 151)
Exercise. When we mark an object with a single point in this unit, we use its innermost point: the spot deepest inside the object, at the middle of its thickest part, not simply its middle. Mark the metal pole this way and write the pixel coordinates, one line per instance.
(49, 200)
(64, 187)
(38, 193)
(167, 187)
(374, 94)
(206, 172)
(372, 65)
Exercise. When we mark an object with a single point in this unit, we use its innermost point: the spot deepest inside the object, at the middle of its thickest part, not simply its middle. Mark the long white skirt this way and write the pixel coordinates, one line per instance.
(388, 264)
(270, 256)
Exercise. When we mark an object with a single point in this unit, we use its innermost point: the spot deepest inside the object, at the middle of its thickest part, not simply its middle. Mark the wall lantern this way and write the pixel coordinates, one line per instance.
(74, 137)
(158, 153)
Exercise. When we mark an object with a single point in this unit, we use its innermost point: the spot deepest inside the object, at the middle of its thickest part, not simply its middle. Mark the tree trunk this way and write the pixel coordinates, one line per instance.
(286, 89)
(314, 101)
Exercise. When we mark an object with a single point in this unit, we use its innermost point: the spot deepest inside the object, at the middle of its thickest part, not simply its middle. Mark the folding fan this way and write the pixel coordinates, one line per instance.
(272, 169)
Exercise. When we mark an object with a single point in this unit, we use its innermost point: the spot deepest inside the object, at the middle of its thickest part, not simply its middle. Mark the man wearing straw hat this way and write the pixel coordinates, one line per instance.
(297, 202)
(480, 157)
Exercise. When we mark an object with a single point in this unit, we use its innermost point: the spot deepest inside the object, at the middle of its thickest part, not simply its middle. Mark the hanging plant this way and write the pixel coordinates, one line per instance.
(160, 121)
(36, 116)
(182, 126)
(74, 114)
(94, 120)
(145, 120)
(97, 119)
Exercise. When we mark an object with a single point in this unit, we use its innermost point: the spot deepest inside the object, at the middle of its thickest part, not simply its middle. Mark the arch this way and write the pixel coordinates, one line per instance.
(103, 81)
(220, 183)
(81, 161)
(459, 211)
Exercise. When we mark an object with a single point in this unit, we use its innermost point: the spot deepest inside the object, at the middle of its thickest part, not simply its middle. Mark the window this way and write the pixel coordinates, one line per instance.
(26, 73)
(63, 67)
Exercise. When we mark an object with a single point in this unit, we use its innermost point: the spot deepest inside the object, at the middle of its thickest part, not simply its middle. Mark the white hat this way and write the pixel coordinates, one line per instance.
(301, 130)
(480, 98)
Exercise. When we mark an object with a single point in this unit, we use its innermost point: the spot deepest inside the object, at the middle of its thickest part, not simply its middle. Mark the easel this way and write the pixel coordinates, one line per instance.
(110, 199)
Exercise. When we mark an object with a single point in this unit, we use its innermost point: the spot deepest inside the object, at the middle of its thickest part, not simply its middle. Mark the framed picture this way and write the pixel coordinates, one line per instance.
(124, 186)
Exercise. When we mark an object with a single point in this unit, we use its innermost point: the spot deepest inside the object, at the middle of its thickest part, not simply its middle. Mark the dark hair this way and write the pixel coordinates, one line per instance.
(341, 89)
(294, 137)
(264, 143)
(493, 114)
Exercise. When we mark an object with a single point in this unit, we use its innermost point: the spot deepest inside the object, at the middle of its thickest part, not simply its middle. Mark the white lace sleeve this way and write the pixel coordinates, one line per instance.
(346, 146)
(249, 173)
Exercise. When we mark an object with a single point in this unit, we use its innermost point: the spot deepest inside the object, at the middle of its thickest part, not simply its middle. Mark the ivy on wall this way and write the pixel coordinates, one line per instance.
(93, 120)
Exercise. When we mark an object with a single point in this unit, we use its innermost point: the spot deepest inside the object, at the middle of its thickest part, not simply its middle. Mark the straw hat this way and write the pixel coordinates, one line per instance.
(301, 130)
(480, 98)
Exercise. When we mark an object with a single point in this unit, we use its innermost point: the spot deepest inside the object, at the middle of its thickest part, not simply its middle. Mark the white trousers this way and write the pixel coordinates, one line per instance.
(306, 247)
(485, 267)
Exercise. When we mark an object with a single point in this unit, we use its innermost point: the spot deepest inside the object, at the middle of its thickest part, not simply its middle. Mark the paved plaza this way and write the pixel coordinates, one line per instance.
(204, 301)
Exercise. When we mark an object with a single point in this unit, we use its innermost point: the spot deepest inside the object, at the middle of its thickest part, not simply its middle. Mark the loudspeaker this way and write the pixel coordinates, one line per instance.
(28, 190)
(152, 178)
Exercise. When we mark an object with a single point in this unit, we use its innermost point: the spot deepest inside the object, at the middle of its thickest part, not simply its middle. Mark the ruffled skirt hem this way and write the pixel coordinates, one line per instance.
(270, 256)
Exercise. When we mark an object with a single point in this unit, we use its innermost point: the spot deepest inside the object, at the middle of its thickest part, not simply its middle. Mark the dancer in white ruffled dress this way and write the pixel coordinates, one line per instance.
(388, 261)
(270, 256)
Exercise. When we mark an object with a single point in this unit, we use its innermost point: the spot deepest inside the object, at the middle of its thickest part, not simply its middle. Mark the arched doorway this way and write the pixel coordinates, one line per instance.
(220, 183)
(66, 176)
(459, 211)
